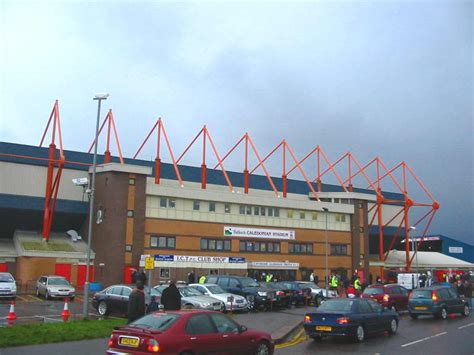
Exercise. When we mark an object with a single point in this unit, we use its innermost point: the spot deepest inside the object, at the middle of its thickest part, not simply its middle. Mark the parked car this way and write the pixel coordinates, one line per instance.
(283, 294)
(238, 303)
(349, 317)
(7, 285)
(114, 299)
(52, 286)
(300, 293)
(317, 292)
(438, 301)
(188, 332)
(256, 295)
(192, 298)
(390, 296)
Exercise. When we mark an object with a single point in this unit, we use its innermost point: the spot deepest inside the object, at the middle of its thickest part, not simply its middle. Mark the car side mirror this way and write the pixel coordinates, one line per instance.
(242, 328)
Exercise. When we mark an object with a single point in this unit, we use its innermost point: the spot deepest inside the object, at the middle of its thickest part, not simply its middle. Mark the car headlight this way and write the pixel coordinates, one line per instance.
(14, 289)
(205, 304)
(262, 293)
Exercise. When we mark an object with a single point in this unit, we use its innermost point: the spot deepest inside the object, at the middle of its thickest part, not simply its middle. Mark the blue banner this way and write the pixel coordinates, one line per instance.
(159, 257)
(236, 260)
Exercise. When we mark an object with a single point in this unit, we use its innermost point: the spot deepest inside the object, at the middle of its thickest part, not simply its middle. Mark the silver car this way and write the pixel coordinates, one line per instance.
(192, 298)
(238, 303)
(317, 291)
(7, 285)
(54, 287)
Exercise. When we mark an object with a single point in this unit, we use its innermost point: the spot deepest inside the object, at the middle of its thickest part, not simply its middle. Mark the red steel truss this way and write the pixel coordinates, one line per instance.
(111, 125)
(346, 169)
(52, 184)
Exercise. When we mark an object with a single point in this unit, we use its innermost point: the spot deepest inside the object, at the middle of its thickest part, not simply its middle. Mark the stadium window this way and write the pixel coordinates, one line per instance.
(270, 212)
(163, 202)
(289, 213)
(336, 200)
(162, 242)
(227, 208)
(262, 211)
(131, 181)
(248, 210)
(196, 205)
(171, 203)
(340, 217)
(300, 248)
(256, 210)
(212, 207)
(130, 213)
(302, 215)
(338, 249)
(242, 209)
(277, 212)
(314, 215)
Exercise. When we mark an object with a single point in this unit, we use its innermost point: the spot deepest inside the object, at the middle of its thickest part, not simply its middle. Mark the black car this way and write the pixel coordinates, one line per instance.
(114, 299)
(299, 294)
(350, 317)
(282, 294)
(257, 296)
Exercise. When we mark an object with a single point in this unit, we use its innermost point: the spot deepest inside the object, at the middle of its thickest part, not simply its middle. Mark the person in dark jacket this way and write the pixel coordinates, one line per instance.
(191, 278)
(142, 277)
(153, 306)
(171, 298)
(136, 303)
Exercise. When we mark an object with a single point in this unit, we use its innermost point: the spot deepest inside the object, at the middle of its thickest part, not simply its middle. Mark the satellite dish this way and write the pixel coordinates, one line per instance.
(73, 234)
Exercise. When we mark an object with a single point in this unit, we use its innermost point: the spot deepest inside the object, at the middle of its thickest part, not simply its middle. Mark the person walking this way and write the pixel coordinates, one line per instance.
(358, 286)
(191, 278)
(202, 279)
(136, 303)
(334, 282)
(311, 277)
(142, 276)
(171, 298)
(269, 277)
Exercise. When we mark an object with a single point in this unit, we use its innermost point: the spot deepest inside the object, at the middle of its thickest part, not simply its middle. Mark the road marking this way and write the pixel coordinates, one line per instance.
(22, 298)
(427, 338)
(465, 326)
(34, 298)
(298, 338)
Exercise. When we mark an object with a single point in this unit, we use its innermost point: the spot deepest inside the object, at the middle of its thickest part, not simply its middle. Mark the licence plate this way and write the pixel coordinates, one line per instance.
(127, 341)
(323, 328)
(217, 308)
(421, 308)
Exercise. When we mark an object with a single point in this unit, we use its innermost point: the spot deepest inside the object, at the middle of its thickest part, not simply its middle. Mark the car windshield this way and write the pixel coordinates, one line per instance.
(421, 294)
(373, 291)
(157, 321)
(6, 278)
(215, 290)
(58, 281)
(339, 305)
(189, 292)
(248, 282)
(154, 291)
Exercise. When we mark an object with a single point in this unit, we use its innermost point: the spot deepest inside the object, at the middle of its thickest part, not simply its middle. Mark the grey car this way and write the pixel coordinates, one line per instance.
(52, 286)
(192, 298)
(239, 303)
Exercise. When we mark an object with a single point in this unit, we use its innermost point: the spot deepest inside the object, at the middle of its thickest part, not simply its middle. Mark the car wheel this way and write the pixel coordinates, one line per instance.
(393, 326)
(414, 316)
(251, 302)
(444, 313)
(102, 308)
(262, 349)
(46, 295)
(360, 334)
(465, 311)
(188, 306)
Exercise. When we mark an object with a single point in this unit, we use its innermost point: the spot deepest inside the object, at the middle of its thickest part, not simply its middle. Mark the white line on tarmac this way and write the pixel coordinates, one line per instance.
(465, 326)
(427, 338)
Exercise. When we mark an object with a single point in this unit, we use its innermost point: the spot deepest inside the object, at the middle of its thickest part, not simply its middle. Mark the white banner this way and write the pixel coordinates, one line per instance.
(258, 233)
(273, 265)
(456, 250)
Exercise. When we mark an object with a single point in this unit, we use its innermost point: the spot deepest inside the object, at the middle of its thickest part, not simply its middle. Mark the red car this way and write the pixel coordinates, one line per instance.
(392, 296)
(188, 332)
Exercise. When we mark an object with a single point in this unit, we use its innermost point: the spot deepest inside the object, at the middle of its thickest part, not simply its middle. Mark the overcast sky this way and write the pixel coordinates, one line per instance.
(392, 79)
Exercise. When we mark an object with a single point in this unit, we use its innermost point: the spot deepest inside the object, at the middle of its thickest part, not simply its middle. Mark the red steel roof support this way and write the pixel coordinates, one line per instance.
(52, 188)
(109, 118)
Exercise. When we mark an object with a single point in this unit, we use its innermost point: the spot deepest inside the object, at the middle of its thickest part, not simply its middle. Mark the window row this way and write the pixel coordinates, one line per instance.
(252, 210)
(162, 242)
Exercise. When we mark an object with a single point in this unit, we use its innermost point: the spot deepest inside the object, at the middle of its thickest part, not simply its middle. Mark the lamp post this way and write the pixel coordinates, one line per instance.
(414, 248)
(99, 98)
(326, 249)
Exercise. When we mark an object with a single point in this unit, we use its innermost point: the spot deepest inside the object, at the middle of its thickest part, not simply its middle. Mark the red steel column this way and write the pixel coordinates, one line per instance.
(284, 180)
(246, 181)
(49, 189)
(157, 170)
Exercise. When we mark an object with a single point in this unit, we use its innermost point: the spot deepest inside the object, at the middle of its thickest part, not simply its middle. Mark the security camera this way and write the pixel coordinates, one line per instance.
(81, 181)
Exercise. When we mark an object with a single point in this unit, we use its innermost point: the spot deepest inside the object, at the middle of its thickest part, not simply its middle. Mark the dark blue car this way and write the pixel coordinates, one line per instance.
(349, 317)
